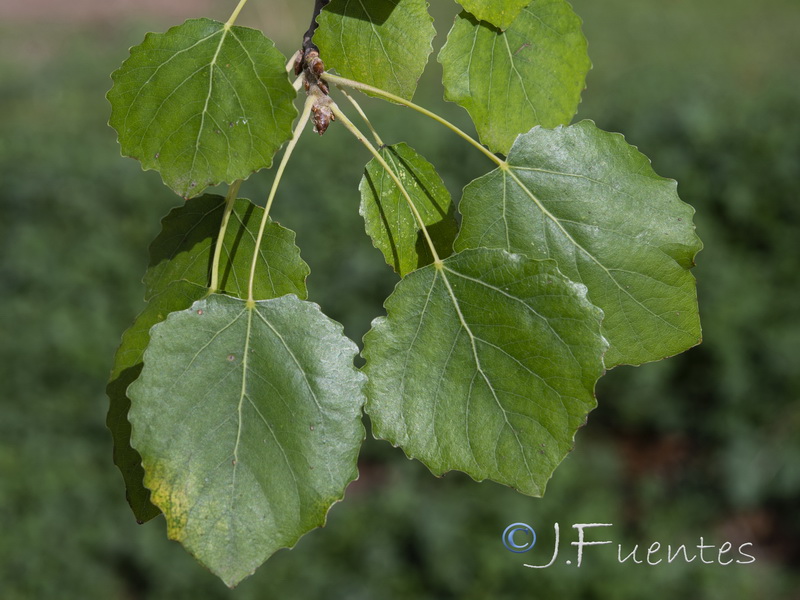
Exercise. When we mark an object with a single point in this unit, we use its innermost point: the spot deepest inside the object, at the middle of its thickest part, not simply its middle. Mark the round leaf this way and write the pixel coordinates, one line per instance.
(202, 103)
(383, 43)
(486, 365)
(592, 202)
(531, 74)
(248, 426)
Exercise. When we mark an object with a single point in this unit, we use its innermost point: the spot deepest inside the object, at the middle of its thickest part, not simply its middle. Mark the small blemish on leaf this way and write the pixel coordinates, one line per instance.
(200, 311)
(231, 358)
(157, 154)
(311, 428)
(521, 48)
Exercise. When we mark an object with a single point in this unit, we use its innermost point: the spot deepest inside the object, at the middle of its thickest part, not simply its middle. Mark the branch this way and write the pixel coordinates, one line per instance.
(307, 43)
(310, 65)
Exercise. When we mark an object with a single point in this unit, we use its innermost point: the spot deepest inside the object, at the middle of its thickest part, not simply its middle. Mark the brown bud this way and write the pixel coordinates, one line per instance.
(322, 115)
(298, 63)
(311, 56)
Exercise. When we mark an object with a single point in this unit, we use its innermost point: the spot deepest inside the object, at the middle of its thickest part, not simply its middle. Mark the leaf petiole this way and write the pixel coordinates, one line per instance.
(235, 14)
(348, 124)
(304, 116)
(294, 58)
(363, 115)
(342, 81)
(230, 200)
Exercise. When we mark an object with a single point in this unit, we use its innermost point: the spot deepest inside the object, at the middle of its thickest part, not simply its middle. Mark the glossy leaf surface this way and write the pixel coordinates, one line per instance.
(388, 218)
(487, 366)
(509, 81)
(384, 43)
(593, 203)
(202, 104)
(248, 425)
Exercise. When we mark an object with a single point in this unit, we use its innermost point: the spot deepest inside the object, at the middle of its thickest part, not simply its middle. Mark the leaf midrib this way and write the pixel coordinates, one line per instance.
(155, 72)
(510, 170)
(225, 30)
(440, 269)
(243, 391)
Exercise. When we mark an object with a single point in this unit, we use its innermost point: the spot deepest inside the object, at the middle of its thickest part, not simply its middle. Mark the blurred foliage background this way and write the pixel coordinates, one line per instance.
(705, 445)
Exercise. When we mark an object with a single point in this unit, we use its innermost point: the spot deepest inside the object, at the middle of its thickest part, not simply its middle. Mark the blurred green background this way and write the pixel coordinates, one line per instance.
(705, 445)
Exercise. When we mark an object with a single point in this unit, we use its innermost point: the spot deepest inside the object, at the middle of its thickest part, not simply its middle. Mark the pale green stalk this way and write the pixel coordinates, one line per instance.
(361, 112)
(389, 96)
(230, 200)
(235, 14)
(278, 175)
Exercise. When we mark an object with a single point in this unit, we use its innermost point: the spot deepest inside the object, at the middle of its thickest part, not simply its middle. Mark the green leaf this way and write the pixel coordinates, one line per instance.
(390, 222)
(486, 365)
(384, 43)
(185, 247)
(248, 426)
(593, 203)
(500, 14)
(127, 366)
(180, 259)
(531, 74)
(202, 104)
